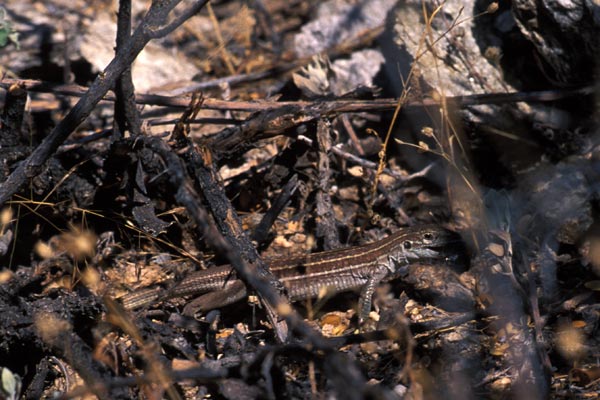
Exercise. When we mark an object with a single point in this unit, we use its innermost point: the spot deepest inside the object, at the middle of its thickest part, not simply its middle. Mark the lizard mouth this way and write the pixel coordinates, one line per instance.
(451, 249)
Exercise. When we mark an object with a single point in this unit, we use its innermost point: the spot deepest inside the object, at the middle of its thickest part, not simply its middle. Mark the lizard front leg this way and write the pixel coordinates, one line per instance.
(366, 294)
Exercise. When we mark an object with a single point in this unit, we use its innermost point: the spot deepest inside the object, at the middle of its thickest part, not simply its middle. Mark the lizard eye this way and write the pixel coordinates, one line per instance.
(407, 245)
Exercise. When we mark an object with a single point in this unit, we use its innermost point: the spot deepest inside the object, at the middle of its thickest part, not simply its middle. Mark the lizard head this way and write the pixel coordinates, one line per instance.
(430, 243)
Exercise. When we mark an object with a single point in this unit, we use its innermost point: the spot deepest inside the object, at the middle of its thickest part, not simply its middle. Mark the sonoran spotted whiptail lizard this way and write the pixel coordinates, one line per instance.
(359, 267)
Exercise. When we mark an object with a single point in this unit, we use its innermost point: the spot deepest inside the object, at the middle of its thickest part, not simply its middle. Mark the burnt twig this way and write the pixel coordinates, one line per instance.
(126, 114)
(154, 25)
(326, 226)
(230, 224)
(262, 230)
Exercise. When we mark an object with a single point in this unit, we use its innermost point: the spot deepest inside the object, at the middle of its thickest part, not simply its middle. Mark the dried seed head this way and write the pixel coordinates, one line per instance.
(492, 8)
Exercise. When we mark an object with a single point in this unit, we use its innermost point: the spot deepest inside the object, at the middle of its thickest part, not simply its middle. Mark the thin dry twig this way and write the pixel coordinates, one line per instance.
(331, 106)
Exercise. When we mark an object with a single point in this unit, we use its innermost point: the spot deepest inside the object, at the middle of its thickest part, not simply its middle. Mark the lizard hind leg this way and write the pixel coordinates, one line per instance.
(233, 293)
